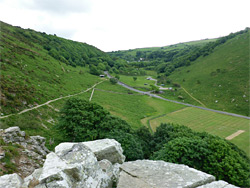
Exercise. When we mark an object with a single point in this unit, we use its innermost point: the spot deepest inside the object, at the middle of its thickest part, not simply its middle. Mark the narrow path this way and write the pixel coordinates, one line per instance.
(92, 94)
(193, 97)
(38, 106)
(186, 104)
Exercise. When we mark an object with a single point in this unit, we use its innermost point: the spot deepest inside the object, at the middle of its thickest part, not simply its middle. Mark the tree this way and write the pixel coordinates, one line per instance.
(101, 66)
(210, 154)
(93, 70)
(134, 78)
(155, 89)
(145, 138)
(79, 119)
(117, 77)
(113, 80)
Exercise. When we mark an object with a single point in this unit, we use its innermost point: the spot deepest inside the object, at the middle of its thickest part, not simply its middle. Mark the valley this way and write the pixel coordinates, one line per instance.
(206, 89)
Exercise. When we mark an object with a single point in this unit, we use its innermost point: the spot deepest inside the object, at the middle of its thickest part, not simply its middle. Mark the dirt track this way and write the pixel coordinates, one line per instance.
(53, 100)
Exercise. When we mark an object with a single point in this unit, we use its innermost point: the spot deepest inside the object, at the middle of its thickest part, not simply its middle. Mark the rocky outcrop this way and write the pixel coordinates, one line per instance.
(11, 181)
(76, 165)
(108, 149)
(218, 184)
(99, 164)
(160, 174)
(31, 151)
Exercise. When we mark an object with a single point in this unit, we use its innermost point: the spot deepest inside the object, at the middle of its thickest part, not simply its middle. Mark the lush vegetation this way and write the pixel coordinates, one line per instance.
(82, 120)
(211, 154)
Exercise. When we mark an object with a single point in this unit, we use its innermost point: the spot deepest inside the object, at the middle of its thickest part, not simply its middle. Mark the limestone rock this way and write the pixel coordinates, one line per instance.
(61, 148)
(108, 149)
(11, 181)
(218, 184)
(32, 153)
(74, 165)
(160, 174)
(32, 179)
(112, 171)
(12, 129)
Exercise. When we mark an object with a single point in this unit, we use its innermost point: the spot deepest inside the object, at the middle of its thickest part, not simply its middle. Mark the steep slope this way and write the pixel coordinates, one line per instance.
(36, 67)
(220, 80)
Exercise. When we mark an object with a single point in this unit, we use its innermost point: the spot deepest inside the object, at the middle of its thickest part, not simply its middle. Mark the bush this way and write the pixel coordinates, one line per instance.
(80, 119)
(113, 80)
(202, 151)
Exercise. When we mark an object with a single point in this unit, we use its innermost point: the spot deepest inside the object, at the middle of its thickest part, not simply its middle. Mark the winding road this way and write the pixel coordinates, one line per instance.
(186, 104)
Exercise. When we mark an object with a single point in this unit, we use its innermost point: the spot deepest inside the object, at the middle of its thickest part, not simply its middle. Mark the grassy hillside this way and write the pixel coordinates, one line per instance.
(36, 67)
(219, 80)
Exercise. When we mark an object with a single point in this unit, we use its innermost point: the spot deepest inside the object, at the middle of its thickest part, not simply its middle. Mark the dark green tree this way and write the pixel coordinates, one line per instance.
(145, 138)
(117, 77)
(210, 154)
(154, 89)
(79, 120)
(93, 70)
(113, 80)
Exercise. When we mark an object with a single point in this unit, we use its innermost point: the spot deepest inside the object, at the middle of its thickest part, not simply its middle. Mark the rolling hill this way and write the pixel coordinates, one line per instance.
(220, 80)
(36, 67)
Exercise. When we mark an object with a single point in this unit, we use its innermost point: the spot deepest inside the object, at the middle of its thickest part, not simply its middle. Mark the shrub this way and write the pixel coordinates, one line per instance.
(113, 80)
(202, 151)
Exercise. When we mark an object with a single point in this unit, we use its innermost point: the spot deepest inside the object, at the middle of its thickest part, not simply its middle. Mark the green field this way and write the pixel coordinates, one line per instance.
(211, 122)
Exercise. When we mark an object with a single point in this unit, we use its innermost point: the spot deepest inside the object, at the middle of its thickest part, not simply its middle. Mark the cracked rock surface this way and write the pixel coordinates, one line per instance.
(160, 174)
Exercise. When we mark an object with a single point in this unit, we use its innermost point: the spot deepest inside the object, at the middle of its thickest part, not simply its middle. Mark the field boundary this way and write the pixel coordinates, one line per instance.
(162, 115)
